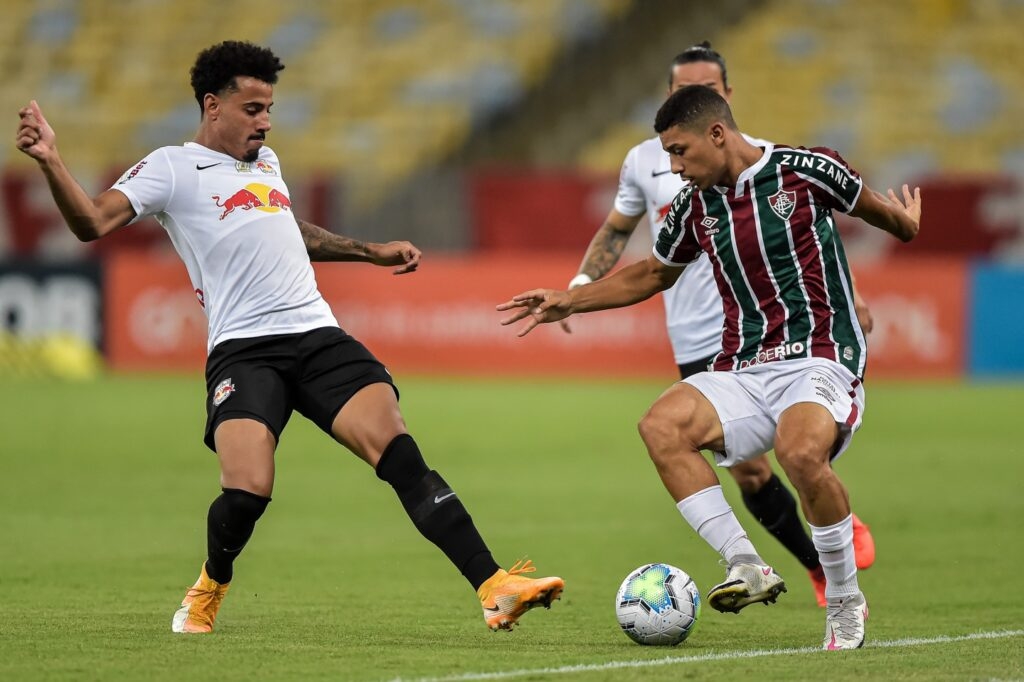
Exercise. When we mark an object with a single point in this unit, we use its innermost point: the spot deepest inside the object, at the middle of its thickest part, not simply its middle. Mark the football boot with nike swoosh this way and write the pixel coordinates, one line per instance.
(746, 584)
(507, 595)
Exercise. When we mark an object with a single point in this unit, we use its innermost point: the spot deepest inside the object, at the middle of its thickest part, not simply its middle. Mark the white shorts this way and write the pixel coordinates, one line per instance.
(750, 400)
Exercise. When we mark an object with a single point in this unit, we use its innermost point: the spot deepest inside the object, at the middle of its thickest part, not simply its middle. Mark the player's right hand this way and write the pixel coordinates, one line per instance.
(35, 136)
(540, 305)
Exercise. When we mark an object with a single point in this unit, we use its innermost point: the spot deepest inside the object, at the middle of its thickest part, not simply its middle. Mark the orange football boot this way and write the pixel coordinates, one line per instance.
(507, 595)
(200, 605)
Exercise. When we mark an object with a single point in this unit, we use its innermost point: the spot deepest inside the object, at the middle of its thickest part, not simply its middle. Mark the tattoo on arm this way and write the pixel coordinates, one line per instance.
(604, 252)
(322, 245)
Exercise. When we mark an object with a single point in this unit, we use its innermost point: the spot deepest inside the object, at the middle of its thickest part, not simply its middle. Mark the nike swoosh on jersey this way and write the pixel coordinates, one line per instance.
(198, 167)
(655, 173)
(439, 500)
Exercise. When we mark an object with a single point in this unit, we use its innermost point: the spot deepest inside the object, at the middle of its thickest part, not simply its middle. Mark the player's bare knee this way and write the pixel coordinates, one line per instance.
(255, 482)
(666, 431)
(805, 465)
(657, 431)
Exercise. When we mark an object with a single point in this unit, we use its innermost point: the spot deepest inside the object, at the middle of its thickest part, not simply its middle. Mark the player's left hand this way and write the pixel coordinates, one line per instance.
(911, 206)
(402, 254)
(540, 305)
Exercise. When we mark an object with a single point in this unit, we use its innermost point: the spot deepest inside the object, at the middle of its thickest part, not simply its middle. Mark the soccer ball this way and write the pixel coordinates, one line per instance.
(658, 604)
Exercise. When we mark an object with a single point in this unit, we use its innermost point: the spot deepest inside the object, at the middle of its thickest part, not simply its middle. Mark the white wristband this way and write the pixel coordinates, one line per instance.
(579, 280)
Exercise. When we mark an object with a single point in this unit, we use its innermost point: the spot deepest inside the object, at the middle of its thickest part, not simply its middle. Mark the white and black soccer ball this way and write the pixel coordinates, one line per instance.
(658, 605)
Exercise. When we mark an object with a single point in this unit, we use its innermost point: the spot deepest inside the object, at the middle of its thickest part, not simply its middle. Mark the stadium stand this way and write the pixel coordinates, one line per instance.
(909, 87)
(110, 76)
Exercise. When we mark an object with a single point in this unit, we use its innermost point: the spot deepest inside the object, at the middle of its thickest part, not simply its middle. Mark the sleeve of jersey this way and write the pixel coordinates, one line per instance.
(677, 245)
(629, 200)
(833, 183)
(148, 184)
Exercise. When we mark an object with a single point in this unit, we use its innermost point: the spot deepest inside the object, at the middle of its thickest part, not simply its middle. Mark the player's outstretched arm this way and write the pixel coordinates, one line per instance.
(322, 245)
(631, 284)
(902, 219)
(89, 218)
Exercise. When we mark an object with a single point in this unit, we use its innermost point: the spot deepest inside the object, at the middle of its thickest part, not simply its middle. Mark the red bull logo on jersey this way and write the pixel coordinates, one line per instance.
(253, 195)
(783, 203)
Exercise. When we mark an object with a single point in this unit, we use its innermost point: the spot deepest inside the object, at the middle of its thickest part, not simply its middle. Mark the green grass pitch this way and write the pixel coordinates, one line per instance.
(104, 488)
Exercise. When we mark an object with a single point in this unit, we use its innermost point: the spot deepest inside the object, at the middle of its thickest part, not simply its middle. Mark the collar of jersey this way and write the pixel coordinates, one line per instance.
(749, 172)
(227, 157)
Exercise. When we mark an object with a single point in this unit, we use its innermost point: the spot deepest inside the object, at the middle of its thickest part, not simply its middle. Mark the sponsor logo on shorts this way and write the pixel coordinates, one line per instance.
(825, 388)
(777, 353)
(825, 395)
(223, 391)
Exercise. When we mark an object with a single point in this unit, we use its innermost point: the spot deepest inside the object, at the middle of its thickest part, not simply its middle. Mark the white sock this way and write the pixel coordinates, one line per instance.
(835, 549)
(713, 519)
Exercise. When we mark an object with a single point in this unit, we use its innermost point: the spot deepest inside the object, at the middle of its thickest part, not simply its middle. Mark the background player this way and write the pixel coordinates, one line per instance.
(274, 344)
(693, 308)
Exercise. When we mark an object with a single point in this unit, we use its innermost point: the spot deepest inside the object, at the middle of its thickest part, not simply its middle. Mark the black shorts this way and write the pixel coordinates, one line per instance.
(265, 378)
(691, 368)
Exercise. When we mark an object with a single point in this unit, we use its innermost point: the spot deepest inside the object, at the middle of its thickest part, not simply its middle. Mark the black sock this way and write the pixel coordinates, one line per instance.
(774, 507)
(229, 525)
(435, 510)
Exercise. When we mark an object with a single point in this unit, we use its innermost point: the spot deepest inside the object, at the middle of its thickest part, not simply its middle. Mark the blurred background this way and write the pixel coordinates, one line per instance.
(490, 133)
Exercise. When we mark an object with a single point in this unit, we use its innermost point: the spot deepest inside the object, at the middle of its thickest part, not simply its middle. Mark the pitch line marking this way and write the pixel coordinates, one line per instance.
(711, 656)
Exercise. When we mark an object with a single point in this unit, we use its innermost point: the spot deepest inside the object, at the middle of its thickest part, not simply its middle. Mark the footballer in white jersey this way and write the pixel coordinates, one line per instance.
(274, 345)
(693, 307)
(232, 225)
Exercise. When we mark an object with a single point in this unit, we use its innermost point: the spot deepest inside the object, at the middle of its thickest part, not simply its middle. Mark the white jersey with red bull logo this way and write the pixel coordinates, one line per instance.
(232, 225)
(693, 307)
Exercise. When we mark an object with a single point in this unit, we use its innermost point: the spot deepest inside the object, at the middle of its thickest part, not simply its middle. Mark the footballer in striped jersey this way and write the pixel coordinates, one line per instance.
(789, 376)
(693, 308)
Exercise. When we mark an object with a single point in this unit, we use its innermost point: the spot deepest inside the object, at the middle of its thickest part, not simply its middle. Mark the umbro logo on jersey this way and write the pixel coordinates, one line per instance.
(709, 225)
(211, 165)
(655, 173)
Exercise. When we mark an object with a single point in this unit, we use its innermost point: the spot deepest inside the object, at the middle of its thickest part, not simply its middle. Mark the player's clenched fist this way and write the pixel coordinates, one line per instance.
(35, 136)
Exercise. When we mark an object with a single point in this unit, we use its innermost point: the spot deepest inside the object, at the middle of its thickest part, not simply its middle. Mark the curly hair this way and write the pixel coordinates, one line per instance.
(217, 67)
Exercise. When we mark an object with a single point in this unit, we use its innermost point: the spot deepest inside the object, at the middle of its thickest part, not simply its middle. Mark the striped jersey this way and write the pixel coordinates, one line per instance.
(777, 258)
(693, 308)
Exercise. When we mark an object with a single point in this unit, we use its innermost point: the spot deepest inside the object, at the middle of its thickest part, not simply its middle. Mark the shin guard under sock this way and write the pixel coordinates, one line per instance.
(229, 525)
(435, 509)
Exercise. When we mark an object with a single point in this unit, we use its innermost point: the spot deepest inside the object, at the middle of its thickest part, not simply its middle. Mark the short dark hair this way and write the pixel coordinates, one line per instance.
(701, 52)
(217, 67)
(694, 107)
